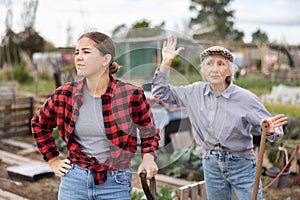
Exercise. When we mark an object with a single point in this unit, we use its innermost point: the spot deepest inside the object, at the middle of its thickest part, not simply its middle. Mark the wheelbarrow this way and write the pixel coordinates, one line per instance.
(150, 192)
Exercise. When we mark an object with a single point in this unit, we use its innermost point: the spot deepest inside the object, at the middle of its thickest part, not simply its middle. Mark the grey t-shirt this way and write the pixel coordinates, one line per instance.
(89, 129)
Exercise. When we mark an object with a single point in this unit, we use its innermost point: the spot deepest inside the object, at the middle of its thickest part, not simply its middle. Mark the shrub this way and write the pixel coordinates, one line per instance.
(61, 145)
(21, 75)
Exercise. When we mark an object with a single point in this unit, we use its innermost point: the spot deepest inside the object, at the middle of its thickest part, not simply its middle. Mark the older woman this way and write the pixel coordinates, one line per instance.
(223, 116)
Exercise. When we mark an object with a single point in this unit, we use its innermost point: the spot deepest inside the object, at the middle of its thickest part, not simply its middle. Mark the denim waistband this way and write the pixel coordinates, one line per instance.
(111, 172)
(219, 152)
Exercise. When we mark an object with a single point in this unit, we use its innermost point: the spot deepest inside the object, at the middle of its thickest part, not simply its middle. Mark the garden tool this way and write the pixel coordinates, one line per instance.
(260, 159)
(149, 192)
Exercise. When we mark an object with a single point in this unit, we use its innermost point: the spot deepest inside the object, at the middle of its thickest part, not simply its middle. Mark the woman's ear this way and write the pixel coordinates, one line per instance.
(107, 59)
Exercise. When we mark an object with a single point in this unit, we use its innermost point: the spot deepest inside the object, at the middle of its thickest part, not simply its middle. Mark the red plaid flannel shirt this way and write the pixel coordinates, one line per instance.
(125, 108)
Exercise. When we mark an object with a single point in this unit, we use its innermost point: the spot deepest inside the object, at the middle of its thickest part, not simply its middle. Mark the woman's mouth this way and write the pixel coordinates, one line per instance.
(79, 66)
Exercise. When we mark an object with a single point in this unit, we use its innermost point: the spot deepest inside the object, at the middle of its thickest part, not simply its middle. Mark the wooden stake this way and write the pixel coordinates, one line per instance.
(260, 159)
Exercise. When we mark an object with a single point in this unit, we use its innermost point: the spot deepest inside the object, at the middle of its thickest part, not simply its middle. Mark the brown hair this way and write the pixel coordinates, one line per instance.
(105, 45)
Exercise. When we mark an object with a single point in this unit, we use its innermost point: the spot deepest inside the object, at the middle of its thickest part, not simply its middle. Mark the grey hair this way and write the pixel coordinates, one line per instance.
(232, 67)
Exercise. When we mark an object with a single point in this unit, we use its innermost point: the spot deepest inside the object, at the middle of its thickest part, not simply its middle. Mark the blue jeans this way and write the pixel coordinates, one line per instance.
(225, 173)
(78, 184)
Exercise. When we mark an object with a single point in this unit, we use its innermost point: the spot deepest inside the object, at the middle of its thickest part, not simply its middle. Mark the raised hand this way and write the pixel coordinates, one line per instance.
(169, 51)
(274, 122)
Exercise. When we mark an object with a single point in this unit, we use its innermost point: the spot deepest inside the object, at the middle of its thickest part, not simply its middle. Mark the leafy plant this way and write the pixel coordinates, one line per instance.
(188, 165)
(59, 141)
(166, 194)
(136, 195)
(21, 75)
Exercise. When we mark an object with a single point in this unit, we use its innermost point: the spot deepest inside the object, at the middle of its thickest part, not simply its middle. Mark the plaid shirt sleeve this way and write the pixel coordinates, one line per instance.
(143, 118)
(42, 125)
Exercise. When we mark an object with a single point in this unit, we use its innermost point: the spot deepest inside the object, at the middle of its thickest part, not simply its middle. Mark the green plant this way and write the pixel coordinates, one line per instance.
(272, 155)
(44, 75)
(258, 64)
(59, 141)
(166, 194)
(136, 195)
(177, 64)
(41, 87)
(292, 129)
(187, 164)
(21, 75)
(295, 133)
(292, 111)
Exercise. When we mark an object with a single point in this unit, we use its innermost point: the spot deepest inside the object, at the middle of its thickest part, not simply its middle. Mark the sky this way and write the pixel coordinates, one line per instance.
(280, 19)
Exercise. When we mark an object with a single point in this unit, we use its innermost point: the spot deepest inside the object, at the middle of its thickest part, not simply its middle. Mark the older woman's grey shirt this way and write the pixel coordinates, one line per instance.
(226, 120)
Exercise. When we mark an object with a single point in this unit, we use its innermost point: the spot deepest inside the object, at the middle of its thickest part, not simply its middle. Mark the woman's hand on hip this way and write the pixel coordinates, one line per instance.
(60, 167)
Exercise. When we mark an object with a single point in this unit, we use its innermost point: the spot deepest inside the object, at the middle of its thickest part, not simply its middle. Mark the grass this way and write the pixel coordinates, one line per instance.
(41, 87)
(279, 108)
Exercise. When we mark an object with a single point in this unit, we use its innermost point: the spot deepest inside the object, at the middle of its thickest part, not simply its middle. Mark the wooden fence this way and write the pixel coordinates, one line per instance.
(194, 191)
(15, 115)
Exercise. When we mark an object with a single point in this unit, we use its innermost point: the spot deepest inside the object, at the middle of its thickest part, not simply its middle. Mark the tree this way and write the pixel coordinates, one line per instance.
(143, 28)
(119, 30)
(213, 21)
(10, 50)
(69, 32)
(260, 37)
(28, 14)
(28, 41)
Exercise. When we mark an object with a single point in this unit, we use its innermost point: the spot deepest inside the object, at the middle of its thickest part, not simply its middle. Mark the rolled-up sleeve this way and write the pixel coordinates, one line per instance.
(160, 87)
(143, 118)
(257, 113)
(42, 125)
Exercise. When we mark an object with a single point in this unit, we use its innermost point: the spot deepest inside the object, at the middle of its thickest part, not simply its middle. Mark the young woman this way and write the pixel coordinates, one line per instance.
(98, 118)
(223, 118)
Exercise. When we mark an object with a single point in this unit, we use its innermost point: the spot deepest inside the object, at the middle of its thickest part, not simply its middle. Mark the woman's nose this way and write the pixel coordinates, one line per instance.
(214, 67)
(79, 56)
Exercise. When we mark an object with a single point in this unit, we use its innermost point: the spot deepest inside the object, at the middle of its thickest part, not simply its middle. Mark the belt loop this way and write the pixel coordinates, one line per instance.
(111, 172)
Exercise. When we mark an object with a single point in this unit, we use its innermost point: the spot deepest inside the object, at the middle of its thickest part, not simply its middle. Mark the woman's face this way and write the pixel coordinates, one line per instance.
(216, 69)
(88, 60)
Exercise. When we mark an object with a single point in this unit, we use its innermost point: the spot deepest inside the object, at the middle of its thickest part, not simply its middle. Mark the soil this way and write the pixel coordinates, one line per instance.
(47, 188)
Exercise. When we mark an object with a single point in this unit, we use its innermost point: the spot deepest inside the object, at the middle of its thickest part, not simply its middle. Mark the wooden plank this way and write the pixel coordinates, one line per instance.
(16, 143)
(14, 159)
(5, 195)
(26, 148)
(27, 151)
(15, 115)
(18, 100)
(202, 189)
(14, 134)
(194, 191)
(184, 193)
(171, 180)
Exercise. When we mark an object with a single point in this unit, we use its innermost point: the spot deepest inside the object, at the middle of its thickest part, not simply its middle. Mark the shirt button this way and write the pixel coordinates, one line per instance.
(72, 124)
